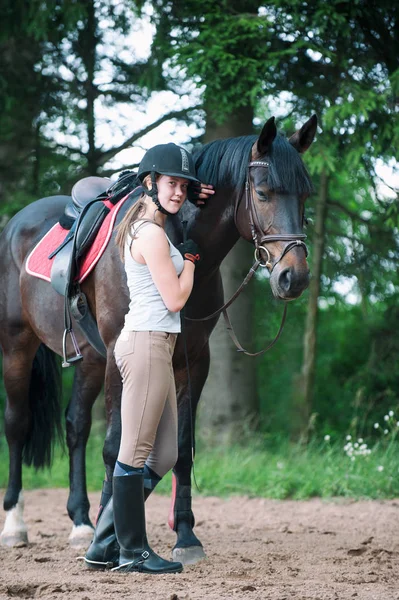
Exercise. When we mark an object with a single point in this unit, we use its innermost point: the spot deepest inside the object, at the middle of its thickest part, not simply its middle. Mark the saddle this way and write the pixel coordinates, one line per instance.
(83, 217)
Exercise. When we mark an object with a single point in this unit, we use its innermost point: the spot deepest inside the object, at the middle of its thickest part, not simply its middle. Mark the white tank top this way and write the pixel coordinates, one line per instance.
(147, 310)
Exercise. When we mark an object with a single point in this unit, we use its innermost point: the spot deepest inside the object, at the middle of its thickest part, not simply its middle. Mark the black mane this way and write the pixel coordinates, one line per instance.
(225, 162)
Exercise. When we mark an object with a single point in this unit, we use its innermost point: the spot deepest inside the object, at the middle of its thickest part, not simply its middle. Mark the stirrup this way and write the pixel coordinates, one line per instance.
(97, 565)
(67, 362)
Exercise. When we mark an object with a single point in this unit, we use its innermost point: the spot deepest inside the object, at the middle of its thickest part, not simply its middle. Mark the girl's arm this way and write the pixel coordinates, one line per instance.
(153, 246)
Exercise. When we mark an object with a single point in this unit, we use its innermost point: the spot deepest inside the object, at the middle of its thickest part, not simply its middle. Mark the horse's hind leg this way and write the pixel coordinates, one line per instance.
(188, 549)
(17, 369)
(88, 380)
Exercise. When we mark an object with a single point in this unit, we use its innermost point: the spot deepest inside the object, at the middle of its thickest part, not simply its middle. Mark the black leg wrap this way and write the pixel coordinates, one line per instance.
(182, 507)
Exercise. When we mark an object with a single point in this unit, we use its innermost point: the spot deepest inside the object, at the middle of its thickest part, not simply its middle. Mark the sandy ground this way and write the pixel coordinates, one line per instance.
(256, 548)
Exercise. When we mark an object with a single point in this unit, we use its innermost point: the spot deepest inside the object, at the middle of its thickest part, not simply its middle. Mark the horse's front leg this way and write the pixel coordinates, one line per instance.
(188, 548)
(88, 380)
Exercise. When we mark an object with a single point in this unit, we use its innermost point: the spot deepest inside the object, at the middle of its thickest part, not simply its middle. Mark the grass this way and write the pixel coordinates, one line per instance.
(322, 468)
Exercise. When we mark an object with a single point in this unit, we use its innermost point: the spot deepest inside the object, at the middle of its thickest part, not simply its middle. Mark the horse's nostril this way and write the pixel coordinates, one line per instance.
(284, 280)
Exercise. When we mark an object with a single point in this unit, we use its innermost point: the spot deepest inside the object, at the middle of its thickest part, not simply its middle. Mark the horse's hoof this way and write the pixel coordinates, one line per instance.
(14, 540)
(81, 536)
(188, 556)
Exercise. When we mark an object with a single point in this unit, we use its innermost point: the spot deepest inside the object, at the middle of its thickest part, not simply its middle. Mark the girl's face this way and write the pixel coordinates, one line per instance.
(172, 192)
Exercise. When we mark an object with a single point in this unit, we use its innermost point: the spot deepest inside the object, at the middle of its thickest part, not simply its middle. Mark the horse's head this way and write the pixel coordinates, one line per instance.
(277, 185)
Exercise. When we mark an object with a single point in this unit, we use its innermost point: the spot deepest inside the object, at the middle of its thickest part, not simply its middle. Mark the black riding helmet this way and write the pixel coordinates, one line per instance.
(166, 159)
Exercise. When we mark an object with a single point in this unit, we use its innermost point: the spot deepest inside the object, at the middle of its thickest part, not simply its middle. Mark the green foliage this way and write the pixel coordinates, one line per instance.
(297, 472)
(223, 45)
(283, 471)
(324, 57)
(357, 379)
(57, 70)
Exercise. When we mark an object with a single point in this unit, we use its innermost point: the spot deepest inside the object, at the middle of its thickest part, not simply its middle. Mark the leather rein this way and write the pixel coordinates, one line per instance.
(260, 239)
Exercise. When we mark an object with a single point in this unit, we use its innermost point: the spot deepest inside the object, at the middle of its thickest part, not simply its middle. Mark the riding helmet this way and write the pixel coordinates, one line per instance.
(168, 159)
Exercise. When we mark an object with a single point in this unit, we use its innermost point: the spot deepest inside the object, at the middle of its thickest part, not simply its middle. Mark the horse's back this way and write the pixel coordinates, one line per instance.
(27, 227)
(18, 237)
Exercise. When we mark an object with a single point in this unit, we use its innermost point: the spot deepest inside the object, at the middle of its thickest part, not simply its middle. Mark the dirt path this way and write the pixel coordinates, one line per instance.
(257, 549)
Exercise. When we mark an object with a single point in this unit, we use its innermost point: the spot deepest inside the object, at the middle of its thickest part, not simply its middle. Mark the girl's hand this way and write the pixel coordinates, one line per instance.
(199, 193)
(190, 251)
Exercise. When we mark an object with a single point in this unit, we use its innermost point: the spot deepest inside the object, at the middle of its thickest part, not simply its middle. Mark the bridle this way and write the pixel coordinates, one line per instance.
(260, 239)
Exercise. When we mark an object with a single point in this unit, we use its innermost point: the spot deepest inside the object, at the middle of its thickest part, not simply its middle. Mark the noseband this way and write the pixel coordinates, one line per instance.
(261, 238)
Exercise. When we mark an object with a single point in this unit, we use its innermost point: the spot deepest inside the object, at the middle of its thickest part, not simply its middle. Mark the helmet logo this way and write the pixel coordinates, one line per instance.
(184, 160)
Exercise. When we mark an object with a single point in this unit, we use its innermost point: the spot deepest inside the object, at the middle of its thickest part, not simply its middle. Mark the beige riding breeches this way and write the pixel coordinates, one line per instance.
(148, 408)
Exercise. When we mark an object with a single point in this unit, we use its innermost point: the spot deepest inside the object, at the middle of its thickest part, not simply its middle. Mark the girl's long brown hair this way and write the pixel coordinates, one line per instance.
(133, 214)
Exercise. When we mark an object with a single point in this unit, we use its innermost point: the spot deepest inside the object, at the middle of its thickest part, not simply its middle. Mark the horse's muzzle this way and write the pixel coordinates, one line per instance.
(288, 283)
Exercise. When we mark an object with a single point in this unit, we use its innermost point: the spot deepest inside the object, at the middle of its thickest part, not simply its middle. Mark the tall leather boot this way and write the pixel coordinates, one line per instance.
(106, 494)
(129, 518)
(103, 552)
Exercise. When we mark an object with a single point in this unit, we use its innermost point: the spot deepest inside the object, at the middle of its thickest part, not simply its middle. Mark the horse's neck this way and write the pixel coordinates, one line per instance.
(214, 229)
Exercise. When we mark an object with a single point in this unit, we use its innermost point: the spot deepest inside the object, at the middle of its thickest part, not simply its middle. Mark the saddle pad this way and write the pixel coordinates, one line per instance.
(39, 265)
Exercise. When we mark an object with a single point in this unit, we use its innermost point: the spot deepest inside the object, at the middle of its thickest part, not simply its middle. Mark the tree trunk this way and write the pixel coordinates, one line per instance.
(229, 404)
(20, 107)
(88, 45)
(304, 386)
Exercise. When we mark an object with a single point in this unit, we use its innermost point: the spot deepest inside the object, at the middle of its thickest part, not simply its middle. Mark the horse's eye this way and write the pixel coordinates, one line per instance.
(262, 196)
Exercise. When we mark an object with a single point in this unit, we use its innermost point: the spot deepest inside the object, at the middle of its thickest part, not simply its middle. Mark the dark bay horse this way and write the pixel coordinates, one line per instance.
(261, 185)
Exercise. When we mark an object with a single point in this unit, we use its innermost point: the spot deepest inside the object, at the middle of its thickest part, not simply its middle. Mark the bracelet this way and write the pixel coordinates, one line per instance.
(191, 257)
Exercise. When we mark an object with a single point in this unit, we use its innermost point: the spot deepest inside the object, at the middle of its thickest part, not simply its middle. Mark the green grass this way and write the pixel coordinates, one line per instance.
(287, 471)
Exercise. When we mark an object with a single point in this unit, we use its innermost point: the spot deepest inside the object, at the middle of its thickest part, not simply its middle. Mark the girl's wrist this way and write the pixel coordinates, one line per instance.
(188, 264)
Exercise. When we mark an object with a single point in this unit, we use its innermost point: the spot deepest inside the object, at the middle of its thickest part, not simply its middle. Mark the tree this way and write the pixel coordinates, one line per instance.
(341, 61)
(24, 89)
(72, 65)
(358, 123)
(216, 44)
(100, 75)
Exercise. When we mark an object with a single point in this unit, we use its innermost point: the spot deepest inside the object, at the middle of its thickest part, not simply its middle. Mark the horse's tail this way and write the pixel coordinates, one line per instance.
(45, 409)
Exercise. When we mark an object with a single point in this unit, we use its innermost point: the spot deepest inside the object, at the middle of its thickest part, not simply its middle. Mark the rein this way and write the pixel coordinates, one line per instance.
(259, 238)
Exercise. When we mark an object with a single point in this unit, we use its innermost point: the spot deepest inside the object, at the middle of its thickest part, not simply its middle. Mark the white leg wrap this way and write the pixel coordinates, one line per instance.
(15, 532)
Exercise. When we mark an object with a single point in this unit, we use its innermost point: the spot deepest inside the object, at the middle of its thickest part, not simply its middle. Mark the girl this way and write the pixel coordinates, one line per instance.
(160, 279)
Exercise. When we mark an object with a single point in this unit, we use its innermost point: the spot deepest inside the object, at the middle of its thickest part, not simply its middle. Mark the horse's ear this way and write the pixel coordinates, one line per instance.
(303, 138)
(266, 137)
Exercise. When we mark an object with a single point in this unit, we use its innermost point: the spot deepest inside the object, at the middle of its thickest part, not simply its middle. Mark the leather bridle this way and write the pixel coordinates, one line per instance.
(260, 239)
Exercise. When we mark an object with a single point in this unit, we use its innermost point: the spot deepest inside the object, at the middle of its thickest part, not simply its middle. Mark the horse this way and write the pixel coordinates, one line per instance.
(261, 185)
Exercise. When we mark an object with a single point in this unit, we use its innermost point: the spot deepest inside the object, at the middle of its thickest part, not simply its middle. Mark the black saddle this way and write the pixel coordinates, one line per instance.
(83, 217)
(83, 192)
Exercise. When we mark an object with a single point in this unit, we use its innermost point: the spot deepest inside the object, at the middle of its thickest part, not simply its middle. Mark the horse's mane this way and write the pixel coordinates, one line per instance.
(225, 162)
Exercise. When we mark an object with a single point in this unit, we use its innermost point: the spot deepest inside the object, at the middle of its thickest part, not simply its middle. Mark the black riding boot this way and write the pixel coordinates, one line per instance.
(103, 552)
(129, 517)
(106, 494)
